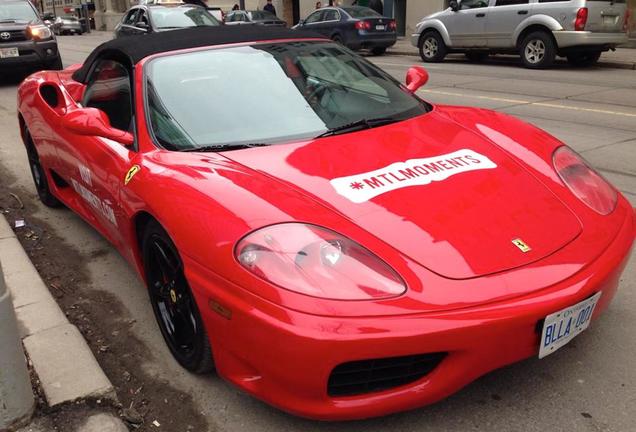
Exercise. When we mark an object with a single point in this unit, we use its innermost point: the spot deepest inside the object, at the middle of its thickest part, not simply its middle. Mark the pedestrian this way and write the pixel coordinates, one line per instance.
(377, 6)
(318, 5)
(236, 7)
(269, 7)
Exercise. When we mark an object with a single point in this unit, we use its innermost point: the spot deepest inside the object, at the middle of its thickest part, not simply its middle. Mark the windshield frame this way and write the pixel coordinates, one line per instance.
(143, 75)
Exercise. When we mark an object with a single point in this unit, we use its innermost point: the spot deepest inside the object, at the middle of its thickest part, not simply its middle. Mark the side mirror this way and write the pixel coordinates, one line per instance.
(94, 122)
(454, 5)
(142, 26)
(416, 77)
(301, 22)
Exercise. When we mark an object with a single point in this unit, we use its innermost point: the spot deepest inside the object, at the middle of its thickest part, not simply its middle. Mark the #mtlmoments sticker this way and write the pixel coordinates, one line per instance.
(413, 172)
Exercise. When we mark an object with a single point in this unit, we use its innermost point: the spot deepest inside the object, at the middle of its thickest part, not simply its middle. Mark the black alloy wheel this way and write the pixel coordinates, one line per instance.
(38, 174)
(173, 303)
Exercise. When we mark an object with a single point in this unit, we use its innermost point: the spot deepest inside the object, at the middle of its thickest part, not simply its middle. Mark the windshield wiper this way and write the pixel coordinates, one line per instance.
(224, 147)
(358, 125)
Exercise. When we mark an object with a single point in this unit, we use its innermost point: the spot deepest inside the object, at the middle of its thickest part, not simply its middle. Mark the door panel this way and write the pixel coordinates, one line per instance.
(503, 18)
(467, 26)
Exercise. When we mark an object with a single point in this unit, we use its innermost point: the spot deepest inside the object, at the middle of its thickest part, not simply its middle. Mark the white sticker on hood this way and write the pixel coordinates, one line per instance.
(414, 172)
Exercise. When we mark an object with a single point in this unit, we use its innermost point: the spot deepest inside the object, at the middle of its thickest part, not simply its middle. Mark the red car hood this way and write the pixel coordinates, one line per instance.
(437, 192)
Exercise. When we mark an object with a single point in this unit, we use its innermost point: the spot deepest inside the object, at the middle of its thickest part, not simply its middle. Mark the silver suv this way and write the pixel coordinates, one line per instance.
(539, 30)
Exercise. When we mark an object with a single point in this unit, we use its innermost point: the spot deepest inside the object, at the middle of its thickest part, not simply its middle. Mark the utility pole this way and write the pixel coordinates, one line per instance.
(16, 396)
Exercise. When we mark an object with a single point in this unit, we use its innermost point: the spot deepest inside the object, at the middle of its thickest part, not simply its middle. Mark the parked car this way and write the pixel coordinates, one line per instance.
(254, 17)
(538, 30)
(315, 231)
(356, 27)
(152, 18)
(67, 24)
(49, 19)
(25, 41)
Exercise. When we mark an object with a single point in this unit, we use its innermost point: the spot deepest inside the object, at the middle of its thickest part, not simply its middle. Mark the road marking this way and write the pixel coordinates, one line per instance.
(515, 101)
(525, 102)
(406, 65)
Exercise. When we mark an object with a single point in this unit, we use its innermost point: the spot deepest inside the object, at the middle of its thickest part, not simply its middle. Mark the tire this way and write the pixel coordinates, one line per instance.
(38, 173)
(378, 51)
(55, 64)
(337, 39)
(432, 47)
(476, 56)
(584, 59)
(173, 303)
(537, 50)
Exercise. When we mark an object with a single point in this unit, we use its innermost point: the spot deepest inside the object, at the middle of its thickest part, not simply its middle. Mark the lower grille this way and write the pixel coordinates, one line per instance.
(366, 376)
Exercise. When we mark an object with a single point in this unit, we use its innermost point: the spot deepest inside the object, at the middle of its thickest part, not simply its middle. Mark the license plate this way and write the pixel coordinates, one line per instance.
(9, 52)
(609, 20)
(380, 27)
(561, 327)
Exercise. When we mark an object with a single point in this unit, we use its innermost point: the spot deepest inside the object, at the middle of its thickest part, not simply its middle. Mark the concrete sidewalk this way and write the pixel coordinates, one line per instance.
(622, 58)
(65, 368)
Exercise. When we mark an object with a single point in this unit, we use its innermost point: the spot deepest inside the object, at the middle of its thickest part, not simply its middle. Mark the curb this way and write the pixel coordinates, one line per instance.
(601, 63)
(63, 362)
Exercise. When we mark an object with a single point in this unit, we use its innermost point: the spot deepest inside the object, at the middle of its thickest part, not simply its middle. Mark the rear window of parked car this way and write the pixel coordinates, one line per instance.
(361, 12)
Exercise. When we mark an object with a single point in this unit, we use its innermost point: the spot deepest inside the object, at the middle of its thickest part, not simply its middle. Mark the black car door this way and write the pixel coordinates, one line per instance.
(313, 21)
(330, 21)
(125, 28)
(142, 26)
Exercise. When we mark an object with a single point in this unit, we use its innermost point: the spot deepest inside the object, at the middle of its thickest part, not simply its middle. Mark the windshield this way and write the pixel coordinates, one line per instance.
(267, 93)
(21, 11)
(361, 12)
(262, 16)
(182, 17)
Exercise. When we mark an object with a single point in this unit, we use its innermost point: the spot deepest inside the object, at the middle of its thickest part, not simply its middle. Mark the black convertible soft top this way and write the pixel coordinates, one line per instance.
(133, 49)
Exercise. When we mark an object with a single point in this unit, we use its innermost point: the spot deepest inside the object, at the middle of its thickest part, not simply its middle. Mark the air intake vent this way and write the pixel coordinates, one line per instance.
(366, 376)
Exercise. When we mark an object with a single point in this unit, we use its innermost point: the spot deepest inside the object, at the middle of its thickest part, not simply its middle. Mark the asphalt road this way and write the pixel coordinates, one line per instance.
(587, 386)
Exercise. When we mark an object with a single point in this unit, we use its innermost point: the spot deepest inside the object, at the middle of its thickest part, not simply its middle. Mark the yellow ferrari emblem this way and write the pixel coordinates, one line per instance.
(523, 246)
(131, 173)
(173, 296)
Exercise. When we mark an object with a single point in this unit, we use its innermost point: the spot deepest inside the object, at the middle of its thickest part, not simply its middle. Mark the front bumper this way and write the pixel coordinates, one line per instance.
(32, 54)
(285, 357)
(415, 40)
(566, 39)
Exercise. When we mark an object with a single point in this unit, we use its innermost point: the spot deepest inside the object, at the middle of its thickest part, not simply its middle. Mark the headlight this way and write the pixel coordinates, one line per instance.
(584, 181)
(39, 32)
(317, 262)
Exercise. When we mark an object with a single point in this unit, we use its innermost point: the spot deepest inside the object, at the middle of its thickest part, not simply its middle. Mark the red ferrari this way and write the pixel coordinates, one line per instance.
(330, 242)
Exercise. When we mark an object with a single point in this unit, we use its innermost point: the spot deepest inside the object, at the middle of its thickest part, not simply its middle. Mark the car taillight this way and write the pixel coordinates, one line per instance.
(317, 262)
(581, 19)
(392, 25)
(363, 25)
(584, 181)
(628, 14)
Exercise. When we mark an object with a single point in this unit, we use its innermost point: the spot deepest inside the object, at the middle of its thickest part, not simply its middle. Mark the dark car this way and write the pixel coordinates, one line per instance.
(258, 17)
(356, 27)
(157, 18)
(25, 42)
